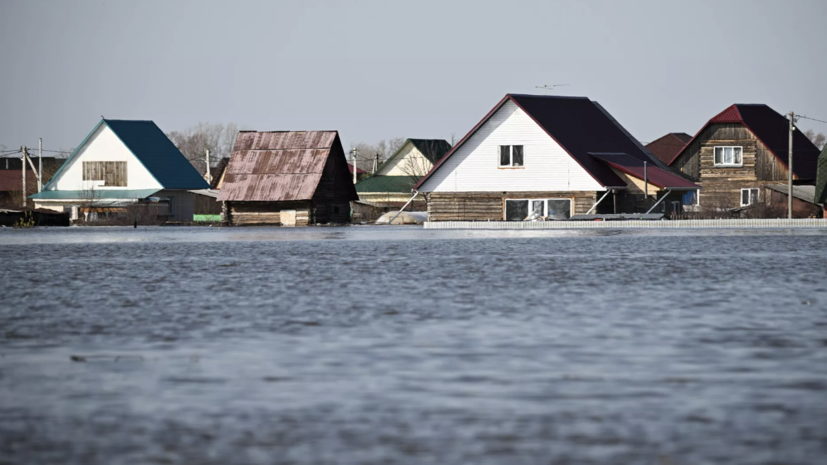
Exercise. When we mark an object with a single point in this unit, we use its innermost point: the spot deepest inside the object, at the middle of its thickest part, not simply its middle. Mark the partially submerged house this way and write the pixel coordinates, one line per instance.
(287, 177)
(122, 163)
(666, 147)
(390, 187)
(739, 151)
(548, 157)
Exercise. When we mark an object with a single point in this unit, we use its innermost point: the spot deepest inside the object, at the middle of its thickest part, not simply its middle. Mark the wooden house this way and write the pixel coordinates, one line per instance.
(665, 148)
(739, 151)
(287, 177)
(548, 157)
(390, 187)
(121, 163)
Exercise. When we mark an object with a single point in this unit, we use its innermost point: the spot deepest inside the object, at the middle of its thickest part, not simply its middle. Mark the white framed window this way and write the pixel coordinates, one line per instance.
(532, 209)
(691, 198)
(729, 156)
(512, 156)
(749, 196)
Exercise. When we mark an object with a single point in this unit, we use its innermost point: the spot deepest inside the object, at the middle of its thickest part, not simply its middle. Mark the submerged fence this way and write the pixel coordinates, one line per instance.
(634, 224)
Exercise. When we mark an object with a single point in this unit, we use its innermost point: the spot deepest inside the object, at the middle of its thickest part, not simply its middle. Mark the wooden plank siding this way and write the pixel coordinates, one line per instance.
(112, 173)
(490, 206)
(724, 184)
(266, 213)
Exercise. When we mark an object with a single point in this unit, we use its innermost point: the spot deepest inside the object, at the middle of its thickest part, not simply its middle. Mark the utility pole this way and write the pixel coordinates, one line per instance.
(353, 152)
(23, 159)
(208, 177)
(790, 169)
(375, 164)
(40, 165)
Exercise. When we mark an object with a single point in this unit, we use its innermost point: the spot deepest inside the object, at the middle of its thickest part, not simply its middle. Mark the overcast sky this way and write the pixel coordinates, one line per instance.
(381, 69)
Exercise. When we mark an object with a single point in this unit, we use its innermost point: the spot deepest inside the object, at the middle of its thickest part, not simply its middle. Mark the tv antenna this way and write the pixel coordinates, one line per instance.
(547, 87)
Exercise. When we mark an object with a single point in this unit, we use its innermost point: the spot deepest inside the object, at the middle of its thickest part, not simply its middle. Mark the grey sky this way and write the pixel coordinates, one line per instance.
(381, 69)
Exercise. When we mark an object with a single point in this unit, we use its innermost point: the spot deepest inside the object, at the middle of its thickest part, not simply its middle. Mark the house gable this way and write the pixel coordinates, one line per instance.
(102, 145)
(473, 165)
(397, 163)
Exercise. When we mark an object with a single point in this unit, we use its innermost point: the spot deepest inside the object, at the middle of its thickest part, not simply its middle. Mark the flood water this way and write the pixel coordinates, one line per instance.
(370, 345)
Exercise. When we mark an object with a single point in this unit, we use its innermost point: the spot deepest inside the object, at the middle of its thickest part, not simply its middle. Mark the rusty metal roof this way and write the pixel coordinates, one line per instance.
(276, 166)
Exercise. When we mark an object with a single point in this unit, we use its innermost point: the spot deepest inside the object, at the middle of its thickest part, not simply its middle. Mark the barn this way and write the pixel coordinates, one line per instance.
(287, 178)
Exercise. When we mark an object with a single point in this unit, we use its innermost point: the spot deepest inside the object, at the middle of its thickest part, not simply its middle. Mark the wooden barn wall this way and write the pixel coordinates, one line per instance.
(331, 201)
(484, 206)
(266, 213)
(206, 205)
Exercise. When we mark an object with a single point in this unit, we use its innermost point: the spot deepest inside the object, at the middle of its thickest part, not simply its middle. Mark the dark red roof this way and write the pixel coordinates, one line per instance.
(12, 181)
(655, 175)
(358, 170)
(667, 146)
(580, 126)
(772, 129)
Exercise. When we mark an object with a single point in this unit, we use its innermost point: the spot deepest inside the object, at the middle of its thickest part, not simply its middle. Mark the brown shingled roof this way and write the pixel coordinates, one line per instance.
(666, 147)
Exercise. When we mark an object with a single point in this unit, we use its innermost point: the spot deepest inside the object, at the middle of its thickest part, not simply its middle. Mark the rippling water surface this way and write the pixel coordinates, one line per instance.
(400, 345)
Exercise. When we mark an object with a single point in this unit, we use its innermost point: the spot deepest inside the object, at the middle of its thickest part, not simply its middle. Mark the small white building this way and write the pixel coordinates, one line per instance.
(123, 162)
(390, 186)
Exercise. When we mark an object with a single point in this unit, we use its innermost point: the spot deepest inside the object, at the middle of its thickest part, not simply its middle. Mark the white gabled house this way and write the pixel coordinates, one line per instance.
(390, 186)
(123, 162)
(548, 157)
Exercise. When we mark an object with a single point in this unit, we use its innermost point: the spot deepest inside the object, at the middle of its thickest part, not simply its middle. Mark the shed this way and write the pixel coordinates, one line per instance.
(301, 173)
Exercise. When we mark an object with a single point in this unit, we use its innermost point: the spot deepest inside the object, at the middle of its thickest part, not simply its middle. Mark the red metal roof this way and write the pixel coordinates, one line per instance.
(276, 166)
(358, 170)
(667, 146)
(634, 167)
(772, 129)
(730, 115)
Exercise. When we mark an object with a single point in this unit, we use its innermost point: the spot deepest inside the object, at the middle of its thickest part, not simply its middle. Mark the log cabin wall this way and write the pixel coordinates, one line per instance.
(266, 213)
(722, 185)
(490, 206)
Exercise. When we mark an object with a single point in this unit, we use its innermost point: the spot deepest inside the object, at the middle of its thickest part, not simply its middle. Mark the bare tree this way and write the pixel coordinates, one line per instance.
(194, 141)
(819, 140)
(367, 153)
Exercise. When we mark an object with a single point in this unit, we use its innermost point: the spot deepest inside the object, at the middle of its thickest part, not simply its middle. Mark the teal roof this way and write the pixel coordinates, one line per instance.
(821, 177)
(98, 194)
(402, 184)
(154, 150)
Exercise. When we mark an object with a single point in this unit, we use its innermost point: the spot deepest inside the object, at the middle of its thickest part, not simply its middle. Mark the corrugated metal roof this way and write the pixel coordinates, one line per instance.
(276, 166)
(402, 184)
(99, 194)
(432, 149)
(634, 167)
(803, 192)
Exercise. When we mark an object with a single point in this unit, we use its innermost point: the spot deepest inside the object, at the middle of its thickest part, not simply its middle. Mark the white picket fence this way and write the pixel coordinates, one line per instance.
(634, 224)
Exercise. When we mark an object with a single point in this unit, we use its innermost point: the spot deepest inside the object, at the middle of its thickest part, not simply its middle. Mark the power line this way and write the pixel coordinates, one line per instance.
(812, 119)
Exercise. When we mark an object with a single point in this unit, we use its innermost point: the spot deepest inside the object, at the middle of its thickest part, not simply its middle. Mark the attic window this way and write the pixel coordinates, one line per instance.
(112, 173)
(511, 156)
(729, 156)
